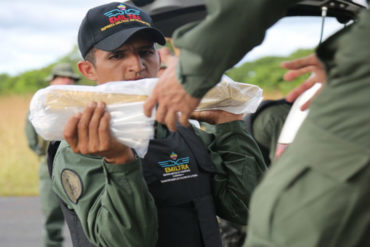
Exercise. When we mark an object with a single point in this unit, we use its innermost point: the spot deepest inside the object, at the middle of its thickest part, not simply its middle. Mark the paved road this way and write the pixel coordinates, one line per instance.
(20, 222)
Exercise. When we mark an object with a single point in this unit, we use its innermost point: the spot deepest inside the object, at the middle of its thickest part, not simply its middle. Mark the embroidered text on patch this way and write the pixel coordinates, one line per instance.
(176, 169)
(122, 15)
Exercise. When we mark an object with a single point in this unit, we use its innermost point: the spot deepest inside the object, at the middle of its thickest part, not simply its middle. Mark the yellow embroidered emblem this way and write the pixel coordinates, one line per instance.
(71, 184)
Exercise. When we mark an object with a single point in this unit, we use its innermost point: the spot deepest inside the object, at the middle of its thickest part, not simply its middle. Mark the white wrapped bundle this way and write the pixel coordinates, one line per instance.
(234, 97)
(52, 106)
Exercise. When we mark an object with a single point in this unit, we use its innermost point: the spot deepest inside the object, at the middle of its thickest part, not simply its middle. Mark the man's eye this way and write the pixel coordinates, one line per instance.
(144, 53)
(116, 56)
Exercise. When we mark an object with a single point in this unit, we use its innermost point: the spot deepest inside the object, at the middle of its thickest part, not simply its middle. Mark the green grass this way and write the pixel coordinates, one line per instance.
(19, 166)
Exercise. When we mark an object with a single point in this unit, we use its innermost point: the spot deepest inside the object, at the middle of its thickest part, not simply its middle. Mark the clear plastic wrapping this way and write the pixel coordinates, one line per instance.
(234, 97)
(52, 106)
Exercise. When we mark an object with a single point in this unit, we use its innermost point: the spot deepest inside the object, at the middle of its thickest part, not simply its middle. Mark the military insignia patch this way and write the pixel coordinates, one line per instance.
(72, 184)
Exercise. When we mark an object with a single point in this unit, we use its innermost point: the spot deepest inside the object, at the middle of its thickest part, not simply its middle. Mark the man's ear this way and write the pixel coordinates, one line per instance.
(88, 70)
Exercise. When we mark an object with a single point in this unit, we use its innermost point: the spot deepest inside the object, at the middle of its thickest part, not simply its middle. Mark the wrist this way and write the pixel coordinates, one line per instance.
(120, 159)
(229, 120)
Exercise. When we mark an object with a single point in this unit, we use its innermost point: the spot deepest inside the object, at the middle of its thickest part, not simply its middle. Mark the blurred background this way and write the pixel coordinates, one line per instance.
(36, 35)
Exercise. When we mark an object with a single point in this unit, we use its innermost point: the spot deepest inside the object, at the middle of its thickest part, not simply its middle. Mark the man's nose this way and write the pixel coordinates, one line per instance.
(136, 63)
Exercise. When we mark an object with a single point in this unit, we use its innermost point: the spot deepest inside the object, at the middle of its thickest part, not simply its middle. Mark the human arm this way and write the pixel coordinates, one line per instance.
(301, 66)
(34, 141)
(207, 50)
(216, 116)
(239, 167)
(173, 99)
(115, 207)
(267, 124)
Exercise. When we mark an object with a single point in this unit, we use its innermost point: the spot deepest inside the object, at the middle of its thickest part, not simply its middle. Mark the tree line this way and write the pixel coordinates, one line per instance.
(264, 72)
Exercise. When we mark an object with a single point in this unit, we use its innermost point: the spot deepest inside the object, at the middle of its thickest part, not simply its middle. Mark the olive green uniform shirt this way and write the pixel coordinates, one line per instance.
(317, 194)
(113, 202)
(268, 124)
(231, 29)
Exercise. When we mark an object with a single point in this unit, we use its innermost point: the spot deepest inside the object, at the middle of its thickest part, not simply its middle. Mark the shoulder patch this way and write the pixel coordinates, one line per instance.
(72, 184)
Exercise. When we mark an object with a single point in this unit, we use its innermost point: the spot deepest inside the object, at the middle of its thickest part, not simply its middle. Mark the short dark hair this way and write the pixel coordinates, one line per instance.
(90, 56)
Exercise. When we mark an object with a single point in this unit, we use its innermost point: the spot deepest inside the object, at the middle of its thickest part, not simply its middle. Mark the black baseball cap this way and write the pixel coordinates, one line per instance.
(109, 26)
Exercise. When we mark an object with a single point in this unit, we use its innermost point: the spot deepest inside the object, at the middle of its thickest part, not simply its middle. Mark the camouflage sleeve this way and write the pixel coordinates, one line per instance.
(239, 164)
(113, 203)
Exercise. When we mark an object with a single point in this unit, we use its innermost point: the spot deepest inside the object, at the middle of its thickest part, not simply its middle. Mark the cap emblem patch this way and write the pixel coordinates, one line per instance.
(123, 14)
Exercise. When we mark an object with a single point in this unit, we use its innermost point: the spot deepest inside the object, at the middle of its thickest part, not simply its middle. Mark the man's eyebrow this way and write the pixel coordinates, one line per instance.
(120, 50)
(151, 46)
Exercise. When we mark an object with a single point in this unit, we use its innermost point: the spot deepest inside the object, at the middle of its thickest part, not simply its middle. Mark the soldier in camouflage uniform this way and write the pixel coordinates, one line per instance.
(62, 74)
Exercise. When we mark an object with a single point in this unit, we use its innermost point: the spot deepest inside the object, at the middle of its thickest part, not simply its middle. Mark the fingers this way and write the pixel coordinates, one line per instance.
(216, 116)
(70, 132)
(293, 95)
(197, 115)
(306, 105)
(300, 62)
(171, 98)
(104, 132)
(308, 102)
(94, 125)
(150, 103)
(88, 132)
(204, 116)
(188, 107)
(292, 74)
(161, 113)
(171, 120)
(83, 127)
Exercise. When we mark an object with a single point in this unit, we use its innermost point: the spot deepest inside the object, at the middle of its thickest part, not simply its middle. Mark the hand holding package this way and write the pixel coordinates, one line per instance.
(52, 106)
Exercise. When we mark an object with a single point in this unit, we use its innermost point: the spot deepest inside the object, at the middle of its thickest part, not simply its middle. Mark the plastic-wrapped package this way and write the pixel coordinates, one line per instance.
(52, 106)
(234, 97)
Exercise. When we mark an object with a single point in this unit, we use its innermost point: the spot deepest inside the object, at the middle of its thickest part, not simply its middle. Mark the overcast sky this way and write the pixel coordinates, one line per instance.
(36, 33)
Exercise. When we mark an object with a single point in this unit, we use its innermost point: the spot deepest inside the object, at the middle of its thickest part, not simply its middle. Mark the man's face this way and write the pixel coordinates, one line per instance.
(136, 59)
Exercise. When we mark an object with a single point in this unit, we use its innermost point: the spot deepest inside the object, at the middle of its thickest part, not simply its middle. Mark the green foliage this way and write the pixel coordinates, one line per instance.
(267, 73)
(31, 81)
